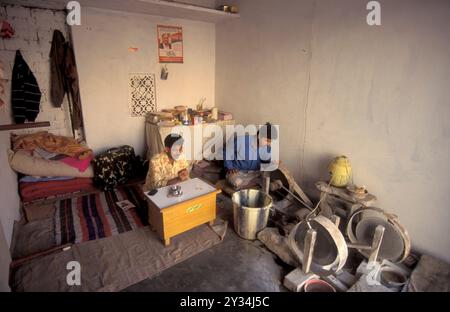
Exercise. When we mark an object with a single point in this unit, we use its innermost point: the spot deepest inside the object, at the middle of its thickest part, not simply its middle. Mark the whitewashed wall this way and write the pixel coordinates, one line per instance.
(379, 95)
(5, 260)
(104, 63)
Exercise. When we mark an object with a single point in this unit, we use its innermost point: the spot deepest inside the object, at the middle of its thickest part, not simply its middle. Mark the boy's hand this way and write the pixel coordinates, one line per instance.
(183, 175)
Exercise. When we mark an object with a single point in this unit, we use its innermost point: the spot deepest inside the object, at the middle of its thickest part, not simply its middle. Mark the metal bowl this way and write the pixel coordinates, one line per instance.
(175, 191)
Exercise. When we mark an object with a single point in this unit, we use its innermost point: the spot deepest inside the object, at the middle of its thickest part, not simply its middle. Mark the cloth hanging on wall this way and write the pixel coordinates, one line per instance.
(71, 74)
(6, 31)
(64, 77)
(58, 87)
(25, 92)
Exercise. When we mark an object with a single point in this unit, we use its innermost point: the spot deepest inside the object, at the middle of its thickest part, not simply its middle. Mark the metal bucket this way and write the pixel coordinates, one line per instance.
(251, 211)
(317, 285)
(393, 278)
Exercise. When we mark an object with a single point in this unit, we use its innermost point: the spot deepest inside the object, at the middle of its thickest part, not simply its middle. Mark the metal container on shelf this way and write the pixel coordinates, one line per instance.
(215, 113)
(250, 211)
(184, 118)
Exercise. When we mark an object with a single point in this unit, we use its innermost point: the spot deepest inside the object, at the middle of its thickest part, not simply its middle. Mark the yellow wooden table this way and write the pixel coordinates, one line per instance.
(170, 216)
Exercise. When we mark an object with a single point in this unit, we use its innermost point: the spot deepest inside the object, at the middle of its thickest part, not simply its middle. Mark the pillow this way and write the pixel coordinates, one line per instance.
(39, 212)
(23, 162)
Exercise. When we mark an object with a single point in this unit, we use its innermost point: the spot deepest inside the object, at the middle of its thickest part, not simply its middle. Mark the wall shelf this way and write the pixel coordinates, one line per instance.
(173, 9)
(151, 7)
(25, 126)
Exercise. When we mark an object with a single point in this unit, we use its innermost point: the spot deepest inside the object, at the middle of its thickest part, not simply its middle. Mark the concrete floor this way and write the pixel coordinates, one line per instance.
(235, 265)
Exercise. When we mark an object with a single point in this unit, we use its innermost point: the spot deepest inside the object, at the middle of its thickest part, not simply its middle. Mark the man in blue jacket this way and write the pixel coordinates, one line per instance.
(248, 155)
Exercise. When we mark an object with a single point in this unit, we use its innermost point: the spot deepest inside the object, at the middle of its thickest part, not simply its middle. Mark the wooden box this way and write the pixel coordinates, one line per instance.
(170, 216)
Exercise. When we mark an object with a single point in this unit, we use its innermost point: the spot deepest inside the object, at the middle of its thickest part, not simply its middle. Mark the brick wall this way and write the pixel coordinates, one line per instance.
(34, 30)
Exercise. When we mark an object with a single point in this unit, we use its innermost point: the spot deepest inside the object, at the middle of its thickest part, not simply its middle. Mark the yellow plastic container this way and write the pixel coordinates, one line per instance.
(340, 171)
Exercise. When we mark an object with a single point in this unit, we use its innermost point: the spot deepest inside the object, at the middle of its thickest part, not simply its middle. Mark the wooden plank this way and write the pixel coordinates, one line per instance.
(297, 189)
(152, 7)
(336, 220)
(25, 126)
(376, 243)
(310, 241)
(18, 262)
(367, 200)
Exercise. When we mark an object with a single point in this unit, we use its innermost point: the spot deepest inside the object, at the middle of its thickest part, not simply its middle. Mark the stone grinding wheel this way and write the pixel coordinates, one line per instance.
(392, 245)
(285, 179)
(330, 250)
(396, 243)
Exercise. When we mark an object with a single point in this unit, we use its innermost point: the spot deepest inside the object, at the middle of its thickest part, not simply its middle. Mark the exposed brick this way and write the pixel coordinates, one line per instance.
(34, 31)
(19, 24)
(17, 43)
(40, 68)
(60, 19)
(7, 96)
(34, 45)
(3, 12)
(18, 12)
(45, 35)
(41, 16)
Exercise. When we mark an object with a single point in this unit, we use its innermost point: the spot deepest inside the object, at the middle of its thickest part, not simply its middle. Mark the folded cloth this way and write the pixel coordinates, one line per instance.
(52, 143)
(80, 164)
(40, 190)
(6, 30)
(30, 179)
(44, 154)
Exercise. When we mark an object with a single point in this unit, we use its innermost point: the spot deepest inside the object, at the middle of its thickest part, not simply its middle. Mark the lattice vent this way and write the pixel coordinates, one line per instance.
(142, 94)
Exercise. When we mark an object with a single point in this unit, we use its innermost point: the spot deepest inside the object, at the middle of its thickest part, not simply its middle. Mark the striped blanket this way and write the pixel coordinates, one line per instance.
(95, 216)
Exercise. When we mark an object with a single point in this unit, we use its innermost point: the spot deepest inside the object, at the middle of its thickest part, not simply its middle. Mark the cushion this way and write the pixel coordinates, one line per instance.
(39, 211)
(44, 190)
(23, 162)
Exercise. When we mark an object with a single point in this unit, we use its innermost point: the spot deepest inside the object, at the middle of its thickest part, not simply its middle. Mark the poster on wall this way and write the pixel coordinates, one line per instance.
(170, 44)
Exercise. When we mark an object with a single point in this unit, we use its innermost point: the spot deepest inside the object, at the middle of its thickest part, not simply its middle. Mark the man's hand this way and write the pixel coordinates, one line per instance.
(232, 171)
(183, 175)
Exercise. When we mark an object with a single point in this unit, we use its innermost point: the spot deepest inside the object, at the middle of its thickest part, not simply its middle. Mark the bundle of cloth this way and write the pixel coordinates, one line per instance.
(50, 165)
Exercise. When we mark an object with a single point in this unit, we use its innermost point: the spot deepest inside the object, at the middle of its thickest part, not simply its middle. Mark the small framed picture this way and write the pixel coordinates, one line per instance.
(170, 44)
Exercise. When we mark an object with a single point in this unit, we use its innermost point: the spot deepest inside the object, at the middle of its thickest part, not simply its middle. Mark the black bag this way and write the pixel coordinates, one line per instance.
(114, 167)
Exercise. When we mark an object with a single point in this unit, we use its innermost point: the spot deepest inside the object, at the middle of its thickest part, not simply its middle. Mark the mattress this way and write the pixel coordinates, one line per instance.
(31, 191)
